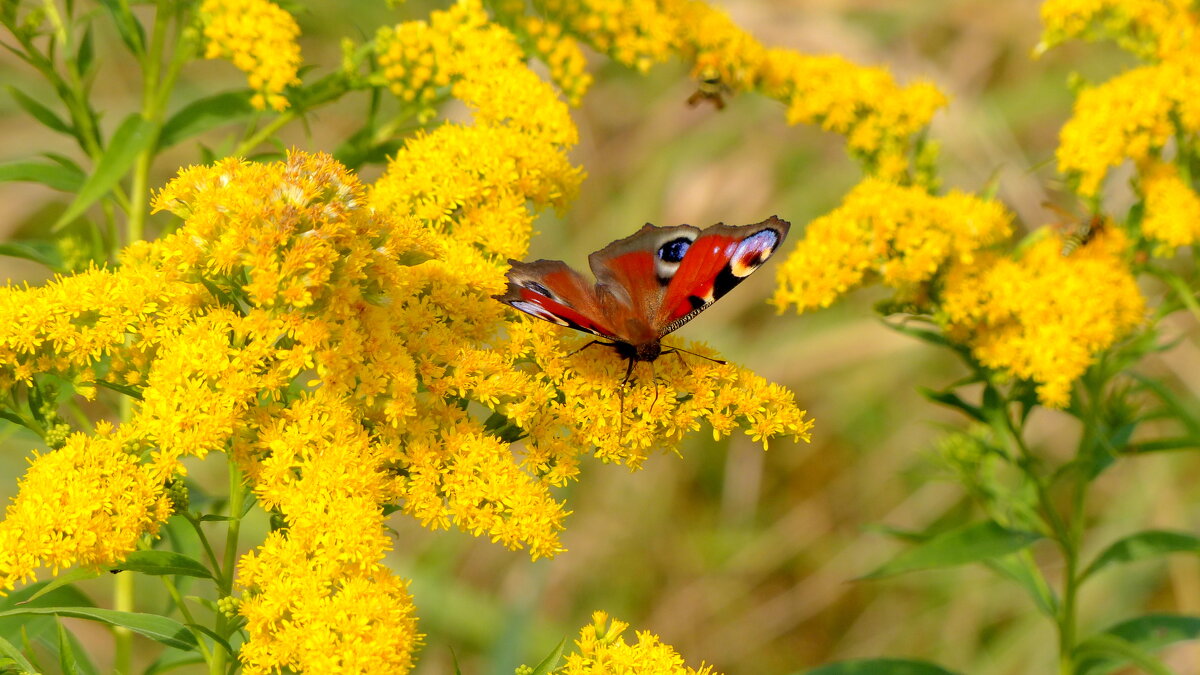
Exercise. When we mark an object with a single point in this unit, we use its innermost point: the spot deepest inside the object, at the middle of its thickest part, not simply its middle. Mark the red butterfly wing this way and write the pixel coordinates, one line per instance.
(552, 291)
(721, 257)
(635, 271)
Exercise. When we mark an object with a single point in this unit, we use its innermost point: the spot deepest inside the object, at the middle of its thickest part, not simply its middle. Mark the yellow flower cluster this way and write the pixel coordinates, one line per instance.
(1044, 316)
(318, 597)
(1152, 29)
(602, 650)
(1134, 115)
(86, 503)
(877, 116)
(1172, 208)
(561, 52)
(259, 38)
(904, 235)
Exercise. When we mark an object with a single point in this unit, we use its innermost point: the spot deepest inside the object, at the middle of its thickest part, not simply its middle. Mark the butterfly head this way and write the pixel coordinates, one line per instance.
(647, 351)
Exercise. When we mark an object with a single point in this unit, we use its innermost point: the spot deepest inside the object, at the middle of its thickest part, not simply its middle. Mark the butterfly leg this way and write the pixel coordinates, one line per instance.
(593, 342)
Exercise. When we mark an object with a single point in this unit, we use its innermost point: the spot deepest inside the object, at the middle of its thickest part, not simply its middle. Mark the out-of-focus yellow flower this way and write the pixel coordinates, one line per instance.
(1172, 213)
(259, 38)
(561, 53)
(1128, 117)
(600, 650)
(903, 235)
(1152, 29)
(1044, 316)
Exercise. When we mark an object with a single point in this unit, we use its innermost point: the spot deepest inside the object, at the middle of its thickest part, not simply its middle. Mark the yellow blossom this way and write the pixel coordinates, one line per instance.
(903, 235)
(1148, 28)
(259, 38)
(1044, 316)
(601, 650)
(87, 503)
(1172, 208)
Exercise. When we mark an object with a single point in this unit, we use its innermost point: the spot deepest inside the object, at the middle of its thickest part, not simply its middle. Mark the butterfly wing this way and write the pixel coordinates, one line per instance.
(552, 291)
(719, 258)
(636, 271)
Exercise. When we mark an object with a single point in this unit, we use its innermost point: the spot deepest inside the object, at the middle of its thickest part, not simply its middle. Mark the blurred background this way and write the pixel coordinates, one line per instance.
(744, 559)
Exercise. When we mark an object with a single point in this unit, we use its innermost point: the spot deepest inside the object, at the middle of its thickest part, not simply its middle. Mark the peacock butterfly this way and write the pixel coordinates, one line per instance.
(647, 284)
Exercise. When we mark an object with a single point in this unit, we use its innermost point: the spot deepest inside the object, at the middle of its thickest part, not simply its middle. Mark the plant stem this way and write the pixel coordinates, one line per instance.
(237, 493)
(122, 637)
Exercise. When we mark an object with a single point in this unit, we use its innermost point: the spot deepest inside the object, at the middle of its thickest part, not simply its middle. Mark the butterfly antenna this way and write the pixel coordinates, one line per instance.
(706, 358)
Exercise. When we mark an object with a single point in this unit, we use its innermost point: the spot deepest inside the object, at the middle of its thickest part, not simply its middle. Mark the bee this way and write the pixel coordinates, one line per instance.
(710, 88)
(1075, 230)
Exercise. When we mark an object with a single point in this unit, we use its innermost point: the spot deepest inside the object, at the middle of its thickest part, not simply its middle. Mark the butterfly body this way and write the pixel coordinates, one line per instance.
(647, 284)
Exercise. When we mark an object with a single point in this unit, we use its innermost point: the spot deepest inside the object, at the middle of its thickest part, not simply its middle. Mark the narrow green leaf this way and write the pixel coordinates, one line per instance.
(53, 176)
(212, 634)
(205, 114)
(549, 663)
(132, 392)
(40, 112)
(19, 249)
(170, 660)
(953, 400)
(127, 26)
(1142, 545)
(66, 655)
(880, 667)
(924, 334)
(9, 650)
(1021, 569)
(158, 628)
(1103, 651)
(87, 51)
(972, 543)
(160, 563)
(1165, 444)
(133, 136)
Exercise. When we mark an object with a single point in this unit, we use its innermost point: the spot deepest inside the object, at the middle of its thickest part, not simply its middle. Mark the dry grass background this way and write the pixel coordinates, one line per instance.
(737, 557)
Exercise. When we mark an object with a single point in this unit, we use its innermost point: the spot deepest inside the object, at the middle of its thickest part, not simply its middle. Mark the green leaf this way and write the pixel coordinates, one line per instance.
(972, 543)
(217, 639)
(1147, 633)
(1021, 569)
(40, 112)
(924, 334)
(160, 563)
(158, 628)
(1142, 545)
(87, 51)
(66, 655)
(880, 667)
(131, 392)
(1165, 444)
(134, 135)
(170, 660)
(9, 650)
(549, 663)
(1103, 652)
(205, 114)
(950, 399)
(43, 256)
(54, 176)
(127, 26)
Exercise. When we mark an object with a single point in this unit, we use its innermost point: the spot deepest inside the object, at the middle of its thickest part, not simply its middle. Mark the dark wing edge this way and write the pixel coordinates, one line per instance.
(721, 257)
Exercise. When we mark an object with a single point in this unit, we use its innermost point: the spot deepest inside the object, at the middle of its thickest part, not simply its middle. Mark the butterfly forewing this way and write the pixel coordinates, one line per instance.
(721, 257)
(552, 291)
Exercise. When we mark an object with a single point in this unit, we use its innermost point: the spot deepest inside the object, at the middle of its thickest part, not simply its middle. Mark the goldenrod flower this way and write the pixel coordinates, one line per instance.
(1152, 29)
(1044, 316)
(601, 650)
(1172, 208)
(903, 235)
(561, 53)
(259, 38)
(87, 503)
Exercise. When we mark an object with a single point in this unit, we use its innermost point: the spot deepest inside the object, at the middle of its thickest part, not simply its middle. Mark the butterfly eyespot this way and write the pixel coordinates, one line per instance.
(674, 250)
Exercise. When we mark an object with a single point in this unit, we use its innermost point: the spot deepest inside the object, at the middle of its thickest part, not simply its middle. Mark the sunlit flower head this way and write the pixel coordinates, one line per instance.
(1044, 316)
(259, 38)
(601, 649)
(901, 235)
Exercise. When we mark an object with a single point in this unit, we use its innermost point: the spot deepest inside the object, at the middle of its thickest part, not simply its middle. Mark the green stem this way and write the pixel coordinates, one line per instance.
(123, 637)
(263, 134)
(237, 494)
(173, 591)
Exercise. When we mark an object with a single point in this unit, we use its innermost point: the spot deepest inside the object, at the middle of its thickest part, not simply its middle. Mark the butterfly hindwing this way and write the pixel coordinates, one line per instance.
(721, 257)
